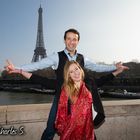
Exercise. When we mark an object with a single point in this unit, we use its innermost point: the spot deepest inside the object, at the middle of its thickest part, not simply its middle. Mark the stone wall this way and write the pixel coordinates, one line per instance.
(27, 122)
(122, 121)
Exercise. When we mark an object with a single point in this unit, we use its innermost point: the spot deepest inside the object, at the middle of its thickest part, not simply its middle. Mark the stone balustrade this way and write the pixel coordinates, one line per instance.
(27, 122)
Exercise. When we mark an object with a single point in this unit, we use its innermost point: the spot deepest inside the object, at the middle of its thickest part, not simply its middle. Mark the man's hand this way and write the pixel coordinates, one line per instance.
(10, 68)
(120, 68)
(118, 65)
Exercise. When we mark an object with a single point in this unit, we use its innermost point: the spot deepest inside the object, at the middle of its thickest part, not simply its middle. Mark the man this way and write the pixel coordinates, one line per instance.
(57, 62)
(71, 40)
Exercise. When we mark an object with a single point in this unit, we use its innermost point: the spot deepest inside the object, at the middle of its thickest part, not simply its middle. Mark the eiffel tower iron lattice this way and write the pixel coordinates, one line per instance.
(40, 51)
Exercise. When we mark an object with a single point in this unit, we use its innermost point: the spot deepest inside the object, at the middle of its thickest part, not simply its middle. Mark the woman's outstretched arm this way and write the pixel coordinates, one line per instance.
(48, 83)
(106, 78)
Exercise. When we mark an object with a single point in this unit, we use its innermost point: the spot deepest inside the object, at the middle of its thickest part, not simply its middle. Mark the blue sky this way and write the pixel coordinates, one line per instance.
(110, 29)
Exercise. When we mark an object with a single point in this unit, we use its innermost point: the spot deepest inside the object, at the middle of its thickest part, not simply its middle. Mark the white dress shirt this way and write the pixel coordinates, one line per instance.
(53, 61)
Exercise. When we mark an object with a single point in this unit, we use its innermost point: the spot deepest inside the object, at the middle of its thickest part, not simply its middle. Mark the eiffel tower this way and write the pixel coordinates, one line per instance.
(40, 51)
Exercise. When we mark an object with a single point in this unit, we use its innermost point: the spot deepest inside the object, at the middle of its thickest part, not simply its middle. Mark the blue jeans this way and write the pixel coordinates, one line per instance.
(50, 131)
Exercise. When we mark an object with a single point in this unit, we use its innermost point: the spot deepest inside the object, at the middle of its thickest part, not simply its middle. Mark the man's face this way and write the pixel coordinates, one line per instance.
(71, 41)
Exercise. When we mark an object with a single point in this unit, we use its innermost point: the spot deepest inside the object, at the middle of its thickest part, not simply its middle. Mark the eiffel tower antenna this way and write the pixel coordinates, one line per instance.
(40, 51)
(40, 2)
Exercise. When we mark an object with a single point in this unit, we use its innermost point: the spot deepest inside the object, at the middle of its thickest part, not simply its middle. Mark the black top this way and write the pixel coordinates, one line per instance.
(91, 84)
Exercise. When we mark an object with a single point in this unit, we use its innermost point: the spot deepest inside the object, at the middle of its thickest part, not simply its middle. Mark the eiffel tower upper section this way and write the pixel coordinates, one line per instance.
(40, 51)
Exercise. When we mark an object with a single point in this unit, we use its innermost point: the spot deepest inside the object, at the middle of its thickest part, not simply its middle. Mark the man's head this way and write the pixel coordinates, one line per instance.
(71, 40)
(72, 31)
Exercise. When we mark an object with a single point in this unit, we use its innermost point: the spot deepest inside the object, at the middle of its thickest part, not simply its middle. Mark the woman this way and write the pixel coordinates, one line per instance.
(74, 119)
(76, 123)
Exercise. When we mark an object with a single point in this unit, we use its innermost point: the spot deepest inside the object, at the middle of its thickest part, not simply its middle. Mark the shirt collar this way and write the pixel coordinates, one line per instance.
(66, 52)
(68, 55)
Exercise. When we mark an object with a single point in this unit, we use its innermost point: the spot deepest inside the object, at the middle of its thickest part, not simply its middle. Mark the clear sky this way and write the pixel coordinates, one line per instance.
(110, 29)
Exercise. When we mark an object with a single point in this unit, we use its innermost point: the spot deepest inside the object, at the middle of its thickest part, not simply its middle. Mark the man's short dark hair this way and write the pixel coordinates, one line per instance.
(73, 31)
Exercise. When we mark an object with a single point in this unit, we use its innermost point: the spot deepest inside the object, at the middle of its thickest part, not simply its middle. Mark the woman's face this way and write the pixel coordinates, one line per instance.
(75, 73)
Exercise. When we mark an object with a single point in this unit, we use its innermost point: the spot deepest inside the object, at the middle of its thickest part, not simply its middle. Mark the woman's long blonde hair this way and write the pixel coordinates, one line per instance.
(69, 84)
